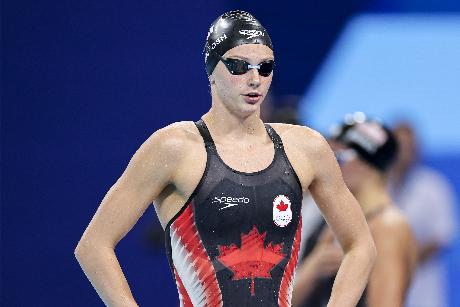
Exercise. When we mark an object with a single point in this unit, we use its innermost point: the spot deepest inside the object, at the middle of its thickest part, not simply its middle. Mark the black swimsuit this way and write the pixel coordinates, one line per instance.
(236, 240)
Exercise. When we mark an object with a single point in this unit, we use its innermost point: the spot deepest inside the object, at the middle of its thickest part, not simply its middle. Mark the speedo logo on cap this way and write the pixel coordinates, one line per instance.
(251, 33)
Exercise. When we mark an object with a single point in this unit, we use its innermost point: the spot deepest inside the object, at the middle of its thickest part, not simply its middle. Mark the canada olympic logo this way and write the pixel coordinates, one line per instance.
(282, 213)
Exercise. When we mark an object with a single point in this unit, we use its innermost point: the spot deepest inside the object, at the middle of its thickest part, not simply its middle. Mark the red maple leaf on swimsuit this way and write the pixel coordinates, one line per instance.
(252, 260)
(282, 206)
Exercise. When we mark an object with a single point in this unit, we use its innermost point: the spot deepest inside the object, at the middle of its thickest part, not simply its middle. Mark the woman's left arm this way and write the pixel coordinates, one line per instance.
(346, 219)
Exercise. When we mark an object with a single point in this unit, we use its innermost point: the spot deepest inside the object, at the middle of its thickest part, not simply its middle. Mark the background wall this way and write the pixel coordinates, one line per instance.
(84, 83)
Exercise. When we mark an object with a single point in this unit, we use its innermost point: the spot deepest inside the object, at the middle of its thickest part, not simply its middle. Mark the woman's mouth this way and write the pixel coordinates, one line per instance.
(252, 98)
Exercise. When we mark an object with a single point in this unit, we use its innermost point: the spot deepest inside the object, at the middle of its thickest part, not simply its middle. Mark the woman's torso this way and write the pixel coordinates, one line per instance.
(235, 241)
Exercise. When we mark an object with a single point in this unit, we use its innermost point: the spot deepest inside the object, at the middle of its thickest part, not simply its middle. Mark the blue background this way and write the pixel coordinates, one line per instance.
(84, 83)
(398, 67)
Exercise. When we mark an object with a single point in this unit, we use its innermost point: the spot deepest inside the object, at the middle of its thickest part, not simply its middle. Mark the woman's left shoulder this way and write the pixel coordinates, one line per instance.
(299, 135)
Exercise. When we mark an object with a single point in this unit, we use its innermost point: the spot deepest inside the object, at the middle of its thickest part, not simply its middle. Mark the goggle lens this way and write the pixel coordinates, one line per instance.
(266, 68)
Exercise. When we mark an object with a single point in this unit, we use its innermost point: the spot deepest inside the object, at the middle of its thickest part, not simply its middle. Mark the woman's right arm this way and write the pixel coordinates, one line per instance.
(147, 174)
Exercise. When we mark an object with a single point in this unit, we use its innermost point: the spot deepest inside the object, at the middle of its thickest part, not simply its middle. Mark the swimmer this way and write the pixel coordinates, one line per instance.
(227, 189)
(365, 150)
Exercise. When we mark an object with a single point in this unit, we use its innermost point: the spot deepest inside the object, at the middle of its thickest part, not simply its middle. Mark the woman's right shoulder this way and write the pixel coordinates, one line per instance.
(174, 138)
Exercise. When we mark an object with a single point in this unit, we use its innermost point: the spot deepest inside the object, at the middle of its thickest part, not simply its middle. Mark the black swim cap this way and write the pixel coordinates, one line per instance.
(372, 140)
(232, 29)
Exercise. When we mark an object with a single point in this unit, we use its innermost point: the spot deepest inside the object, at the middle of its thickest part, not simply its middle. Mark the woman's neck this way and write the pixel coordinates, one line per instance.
(226, 125)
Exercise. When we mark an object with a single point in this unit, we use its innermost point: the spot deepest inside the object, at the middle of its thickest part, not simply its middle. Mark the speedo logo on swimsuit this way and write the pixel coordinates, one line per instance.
(251, 33)
(229, 201)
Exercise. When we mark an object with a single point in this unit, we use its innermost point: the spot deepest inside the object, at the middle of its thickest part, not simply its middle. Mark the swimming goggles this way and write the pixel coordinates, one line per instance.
(240, 67)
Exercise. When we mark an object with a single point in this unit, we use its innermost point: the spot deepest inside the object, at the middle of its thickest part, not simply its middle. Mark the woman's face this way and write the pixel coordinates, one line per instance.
(243, 94)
